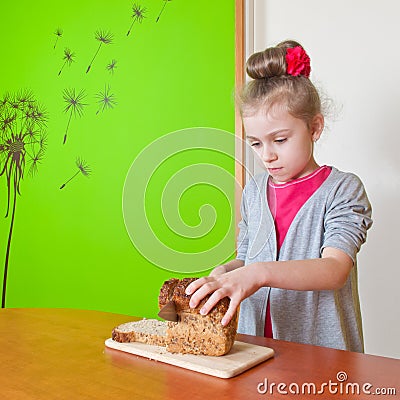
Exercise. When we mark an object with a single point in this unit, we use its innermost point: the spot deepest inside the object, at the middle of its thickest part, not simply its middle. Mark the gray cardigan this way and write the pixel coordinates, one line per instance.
(337, 215)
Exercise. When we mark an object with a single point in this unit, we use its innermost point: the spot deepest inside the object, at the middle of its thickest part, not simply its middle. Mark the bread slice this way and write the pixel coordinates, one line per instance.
(149, 331)
(195, 333)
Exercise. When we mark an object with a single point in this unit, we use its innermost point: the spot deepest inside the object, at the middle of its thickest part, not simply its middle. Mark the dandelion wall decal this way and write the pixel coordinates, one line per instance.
(103, 38)
(106, 99)
(4, 100)
(137, 16)
(22, 143)
(58, 32)
(74, 105)
(83, 168)
(37, 158)
(68, 59)
(111, 66)
(159, 15)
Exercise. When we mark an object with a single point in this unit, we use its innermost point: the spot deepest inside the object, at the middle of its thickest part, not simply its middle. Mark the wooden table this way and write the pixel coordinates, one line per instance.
(60, 354)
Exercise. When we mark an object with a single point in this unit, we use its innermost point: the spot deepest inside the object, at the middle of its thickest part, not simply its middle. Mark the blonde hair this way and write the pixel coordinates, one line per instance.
(272, 86)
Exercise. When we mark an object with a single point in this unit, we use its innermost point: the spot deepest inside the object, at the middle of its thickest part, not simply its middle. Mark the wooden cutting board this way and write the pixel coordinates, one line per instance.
(242, 357)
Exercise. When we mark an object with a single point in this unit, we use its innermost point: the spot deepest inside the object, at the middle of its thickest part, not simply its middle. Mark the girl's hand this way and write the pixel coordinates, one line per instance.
(227, 267)
(237, 285)
(221, 269)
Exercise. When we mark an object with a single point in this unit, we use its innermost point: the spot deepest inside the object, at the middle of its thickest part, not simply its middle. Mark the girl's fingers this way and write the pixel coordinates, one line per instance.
(206, 285)
(195, 285)
(212, 301)
(200, 290)
(233, 305)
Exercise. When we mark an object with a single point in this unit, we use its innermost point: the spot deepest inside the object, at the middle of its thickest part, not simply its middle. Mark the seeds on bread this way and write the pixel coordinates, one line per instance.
(193, 333)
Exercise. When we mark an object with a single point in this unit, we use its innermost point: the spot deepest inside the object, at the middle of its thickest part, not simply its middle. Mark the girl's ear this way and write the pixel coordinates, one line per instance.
(317, 126)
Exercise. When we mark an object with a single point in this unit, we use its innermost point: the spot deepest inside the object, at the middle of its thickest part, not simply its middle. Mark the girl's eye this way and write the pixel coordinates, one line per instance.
(280, 140)
(255, 144)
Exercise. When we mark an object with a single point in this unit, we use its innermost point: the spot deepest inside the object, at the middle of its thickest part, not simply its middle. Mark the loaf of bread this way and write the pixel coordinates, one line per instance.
(195, 333)
(149, 331)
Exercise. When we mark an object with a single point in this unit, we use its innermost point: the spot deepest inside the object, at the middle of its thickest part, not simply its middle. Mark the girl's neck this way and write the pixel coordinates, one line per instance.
(310, 169)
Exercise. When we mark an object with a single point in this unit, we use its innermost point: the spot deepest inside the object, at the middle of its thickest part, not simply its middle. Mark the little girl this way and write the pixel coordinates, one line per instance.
(295, 275)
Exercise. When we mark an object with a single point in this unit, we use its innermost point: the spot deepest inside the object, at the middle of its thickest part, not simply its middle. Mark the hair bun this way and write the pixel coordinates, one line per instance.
(271, 62)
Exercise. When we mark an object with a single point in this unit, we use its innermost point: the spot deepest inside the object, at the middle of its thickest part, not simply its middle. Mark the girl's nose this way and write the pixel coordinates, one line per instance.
(268, 154)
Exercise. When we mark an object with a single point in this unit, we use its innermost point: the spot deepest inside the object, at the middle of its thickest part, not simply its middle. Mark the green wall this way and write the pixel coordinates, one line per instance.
(70, 247)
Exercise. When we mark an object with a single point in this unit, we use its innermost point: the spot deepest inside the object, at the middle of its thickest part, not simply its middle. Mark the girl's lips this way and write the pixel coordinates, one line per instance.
(274, 169)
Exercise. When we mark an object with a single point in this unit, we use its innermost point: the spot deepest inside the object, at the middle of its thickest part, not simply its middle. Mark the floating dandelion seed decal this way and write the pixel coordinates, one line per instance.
(58, 32)
(137, 16)
(83, 168)
(74, 105)
(68, 59)
(22, 144)
(111, 66)
(159, 15)
(106, 99)
(103, 38)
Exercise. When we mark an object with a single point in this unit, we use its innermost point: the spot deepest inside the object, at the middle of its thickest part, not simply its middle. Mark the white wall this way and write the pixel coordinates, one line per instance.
(355, 57)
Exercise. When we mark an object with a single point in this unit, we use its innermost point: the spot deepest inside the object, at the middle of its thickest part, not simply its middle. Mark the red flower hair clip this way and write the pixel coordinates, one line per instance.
(298, 62)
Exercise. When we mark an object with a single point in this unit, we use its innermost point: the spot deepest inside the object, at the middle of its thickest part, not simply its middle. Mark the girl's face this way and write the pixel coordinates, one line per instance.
(284, 143)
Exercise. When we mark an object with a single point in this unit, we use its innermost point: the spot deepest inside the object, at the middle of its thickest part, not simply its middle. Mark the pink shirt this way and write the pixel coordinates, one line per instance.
(285, 201)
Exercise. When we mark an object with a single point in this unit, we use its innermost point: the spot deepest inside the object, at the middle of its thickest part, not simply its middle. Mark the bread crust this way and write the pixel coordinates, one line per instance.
(195, 333)
(198, 334)
(166, 292)
(176, 292)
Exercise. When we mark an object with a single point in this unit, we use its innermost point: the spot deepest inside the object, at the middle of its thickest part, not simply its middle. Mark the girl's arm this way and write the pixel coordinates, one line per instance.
(327, 273)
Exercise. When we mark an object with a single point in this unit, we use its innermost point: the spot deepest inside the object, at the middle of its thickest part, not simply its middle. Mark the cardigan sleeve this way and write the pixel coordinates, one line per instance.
(243, 239)
(348, 216)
